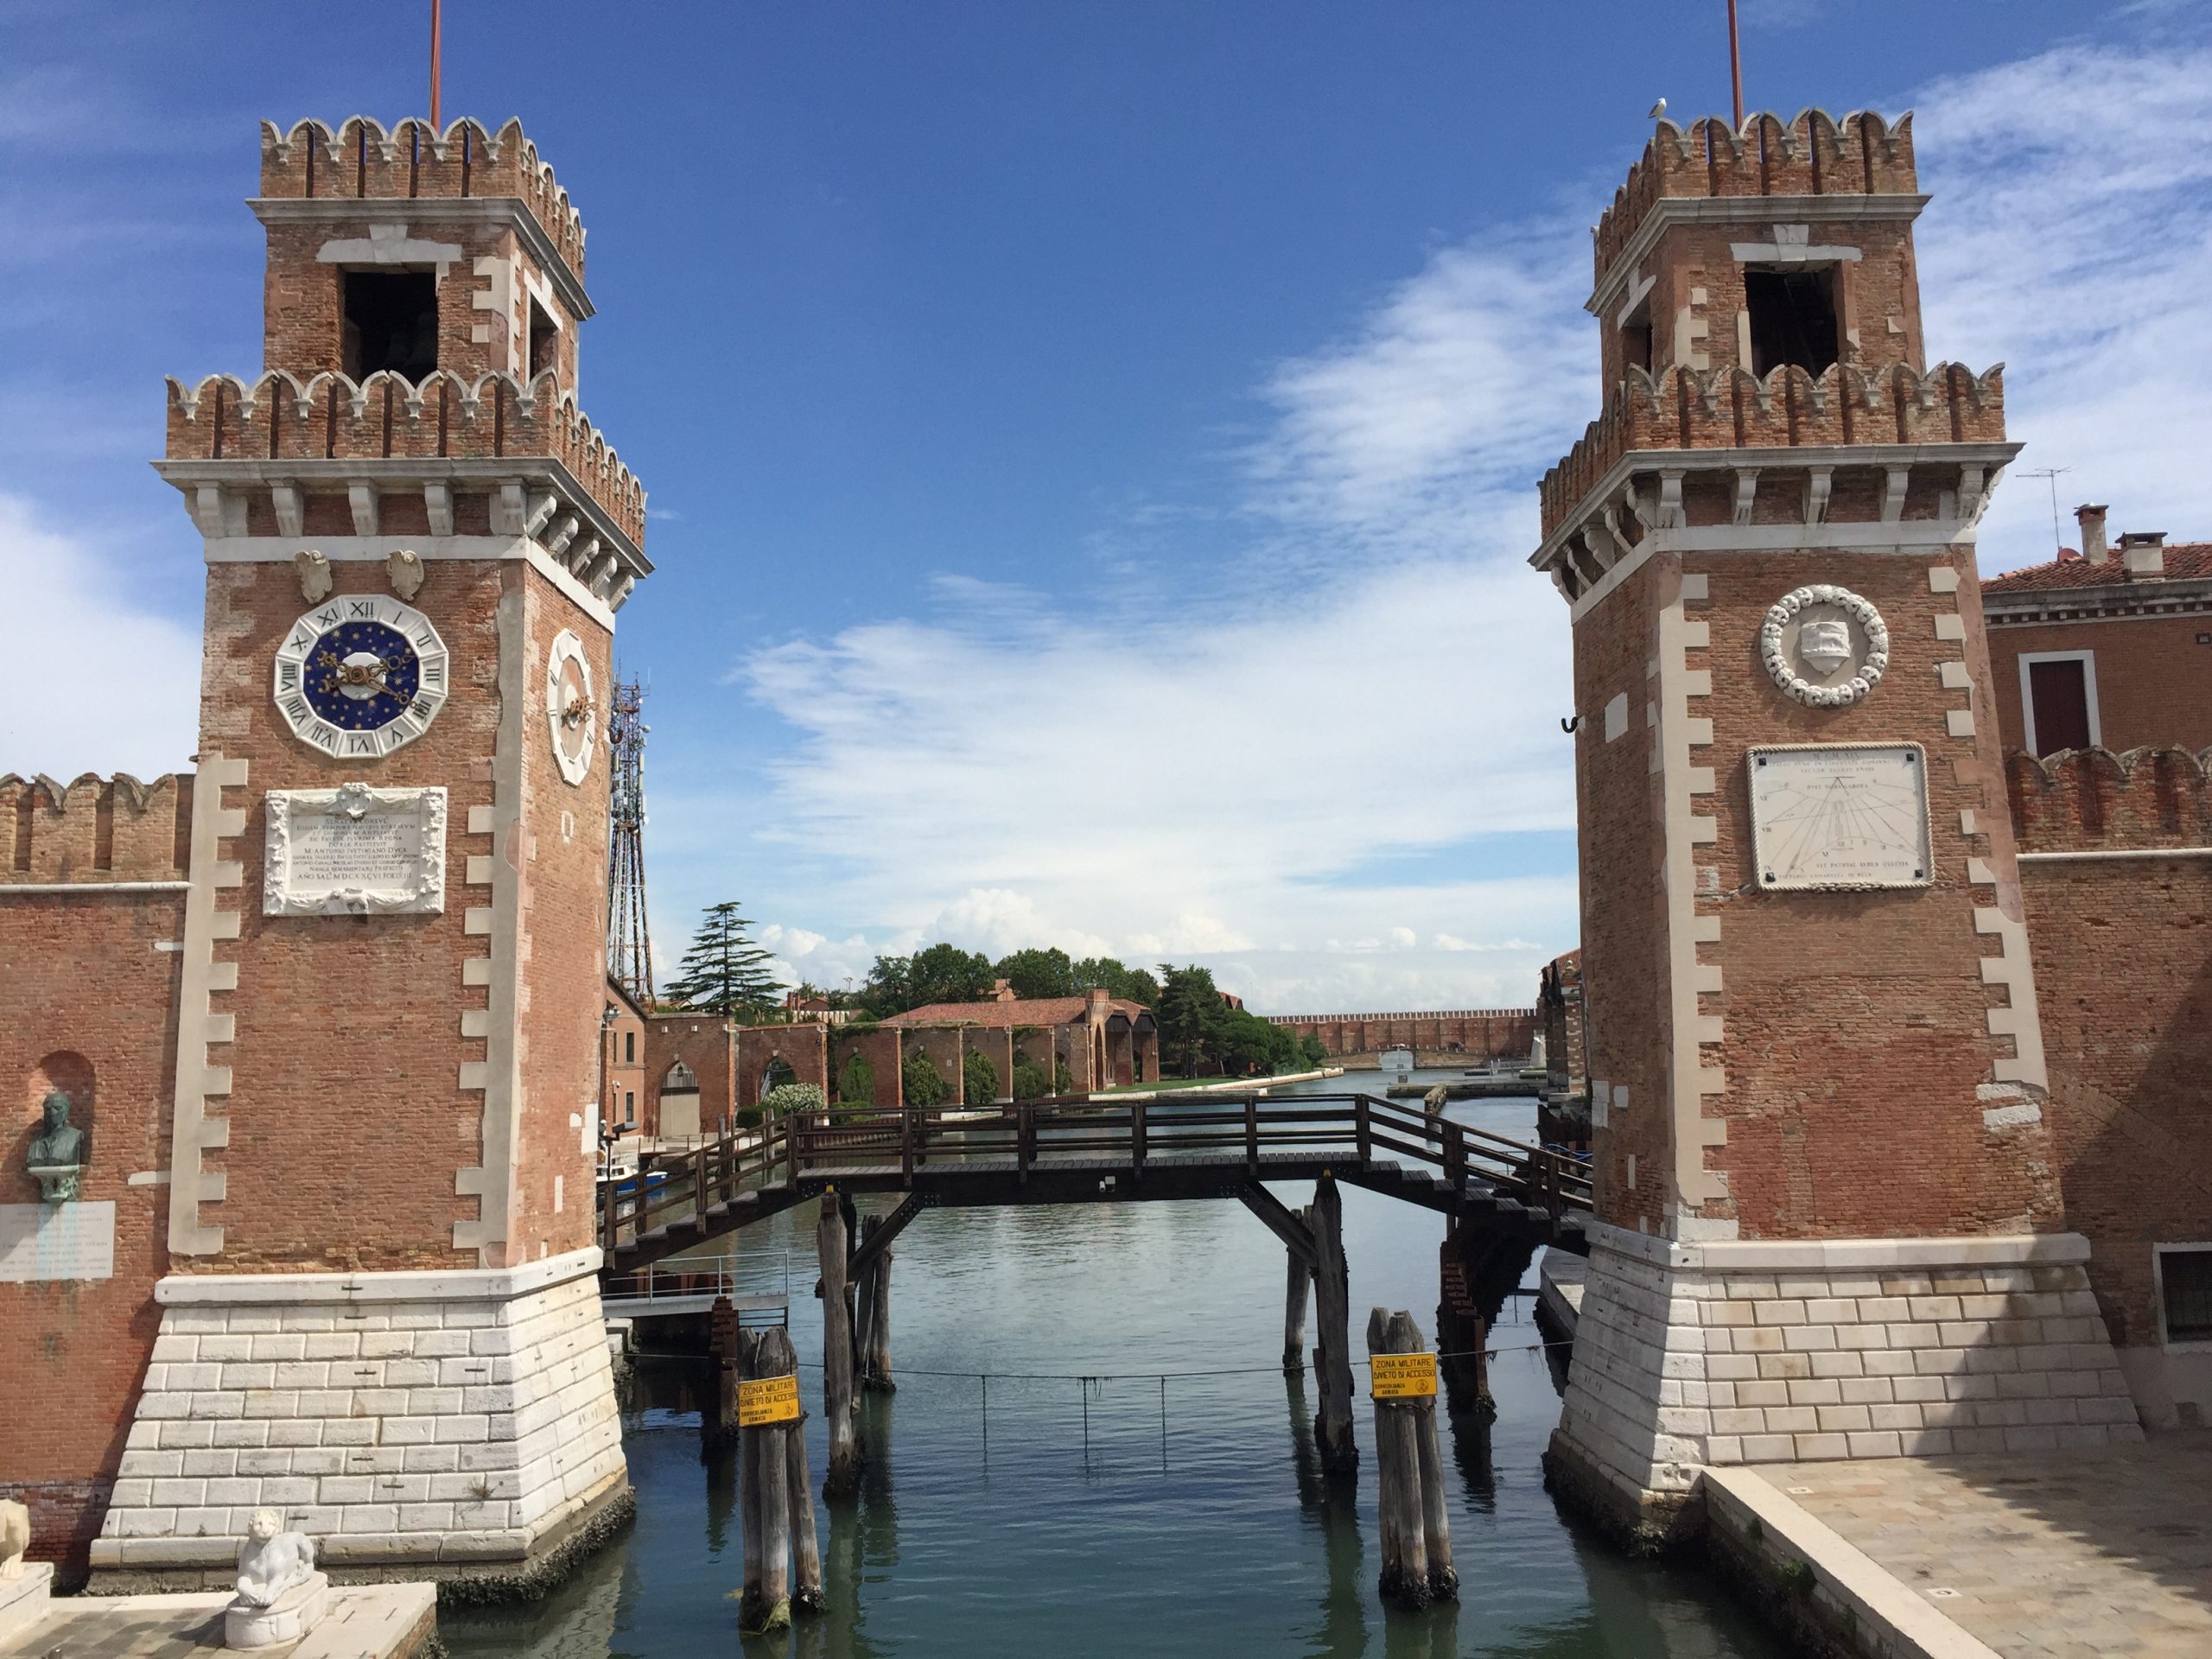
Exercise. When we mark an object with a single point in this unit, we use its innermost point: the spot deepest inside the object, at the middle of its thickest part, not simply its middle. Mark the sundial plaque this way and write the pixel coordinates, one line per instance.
(355, 850)
(1840, 815)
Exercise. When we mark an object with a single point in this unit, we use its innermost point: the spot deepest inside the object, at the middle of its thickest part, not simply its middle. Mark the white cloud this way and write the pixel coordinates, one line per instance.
(91, 681)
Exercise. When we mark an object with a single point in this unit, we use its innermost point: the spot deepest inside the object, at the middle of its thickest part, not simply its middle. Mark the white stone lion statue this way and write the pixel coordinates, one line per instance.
(272, 1560)
(15, 1537)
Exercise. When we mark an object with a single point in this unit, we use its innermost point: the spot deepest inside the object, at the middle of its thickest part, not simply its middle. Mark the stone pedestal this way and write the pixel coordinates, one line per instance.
(288, 1618)
(25, 1597)
(1687, 1355)
(448, 1424)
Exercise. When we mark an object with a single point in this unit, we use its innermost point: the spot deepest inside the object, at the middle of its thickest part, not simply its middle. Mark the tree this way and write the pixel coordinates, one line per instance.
(1192, 1017)
(1129, 984)
(857, 1081)
(724, 972)
(1036, 974)
(924, 1084)
(943, 973)
(979, 1078)
(1311, 1053)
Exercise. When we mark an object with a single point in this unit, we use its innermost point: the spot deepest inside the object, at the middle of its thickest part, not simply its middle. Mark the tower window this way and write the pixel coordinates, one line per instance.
(1635, 338)
(1793, 318)
(544, 340)
(392, 322)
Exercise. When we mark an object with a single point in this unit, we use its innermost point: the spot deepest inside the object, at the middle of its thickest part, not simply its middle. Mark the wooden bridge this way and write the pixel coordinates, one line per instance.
(1075, 1151)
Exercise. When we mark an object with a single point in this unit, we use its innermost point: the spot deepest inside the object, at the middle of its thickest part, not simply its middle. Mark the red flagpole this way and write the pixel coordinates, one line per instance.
(437, 31)
(1735, 65)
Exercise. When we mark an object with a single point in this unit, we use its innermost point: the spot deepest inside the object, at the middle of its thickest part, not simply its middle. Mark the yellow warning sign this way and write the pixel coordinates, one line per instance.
(775, 1400)
(1404, 1376)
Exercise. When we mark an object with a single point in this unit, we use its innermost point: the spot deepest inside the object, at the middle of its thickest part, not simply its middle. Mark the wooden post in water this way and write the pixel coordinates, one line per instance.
(1435, 1525)
(876, 1352)
(864, 1302)
(1332, 1298)
(721, 1410)
(748, 1498)
(1293, 1304)
(830, 1237)
(778, 1359)
(1397, 1482)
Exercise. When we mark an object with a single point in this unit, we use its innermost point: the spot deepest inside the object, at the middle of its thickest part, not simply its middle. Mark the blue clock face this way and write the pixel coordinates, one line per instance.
(360, 677)
(361, 674)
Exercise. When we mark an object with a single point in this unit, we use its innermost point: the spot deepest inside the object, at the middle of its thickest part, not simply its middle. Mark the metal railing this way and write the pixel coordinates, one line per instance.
(764, 1273)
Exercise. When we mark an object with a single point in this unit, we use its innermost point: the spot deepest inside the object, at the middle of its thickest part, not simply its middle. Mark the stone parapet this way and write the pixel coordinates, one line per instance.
(2087, 800)
(95, 829)
(1691, 1355)
(430, 1420)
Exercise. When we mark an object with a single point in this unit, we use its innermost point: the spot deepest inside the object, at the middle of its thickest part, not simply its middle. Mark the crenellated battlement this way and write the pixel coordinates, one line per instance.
(361, 158)
(2094, 800)
(1813, 155)
(328, 417)
(1732, 408)
(95, 829)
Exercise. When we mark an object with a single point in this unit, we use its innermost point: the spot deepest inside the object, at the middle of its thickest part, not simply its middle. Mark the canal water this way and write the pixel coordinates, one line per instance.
(1046, 1515)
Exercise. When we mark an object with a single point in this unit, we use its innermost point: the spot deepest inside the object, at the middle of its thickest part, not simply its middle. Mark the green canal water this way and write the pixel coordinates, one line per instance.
(1072, 1520)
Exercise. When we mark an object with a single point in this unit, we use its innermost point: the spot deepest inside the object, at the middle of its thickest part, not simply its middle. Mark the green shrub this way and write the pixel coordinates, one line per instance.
(1063, 1081)
(857, 1083)
(924, 1084)
(979, 1080)
(748, 1117)
(1031, 1081)
(788, 1097)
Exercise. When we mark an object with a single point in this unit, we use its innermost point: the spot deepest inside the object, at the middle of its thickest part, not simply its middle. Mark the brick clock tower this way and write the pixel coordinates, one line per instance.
(380, 1314)
(1828, 1223)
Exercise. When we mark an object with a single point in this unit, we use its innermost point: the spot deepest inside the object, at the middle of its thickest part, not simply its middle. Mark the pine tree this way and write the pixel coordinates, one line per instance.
(724, 972)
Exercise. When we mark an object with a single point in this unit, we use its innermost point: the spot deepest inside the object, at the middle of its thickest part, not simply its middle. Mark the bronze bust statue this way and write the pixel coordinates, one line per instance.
(57, 1153)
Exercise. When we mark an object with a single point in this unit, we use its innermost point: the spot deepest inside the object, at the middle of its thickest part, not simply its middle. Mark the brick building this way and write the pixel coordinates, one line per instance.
(1476, 1033)
(1103, 1041)
(332, 1006)
(2108, 646)
(1830, 1215)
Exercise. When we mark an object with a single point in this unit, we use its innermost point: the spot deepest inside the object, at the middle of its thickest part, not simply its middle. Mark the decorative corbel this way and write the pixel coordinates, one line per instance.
(1670, 500)
(404, 566)
(314, 576)
(1819, 481)
(543, 506)
(602, 573)
(1747, 485)
(362, 498)
(510, 509)
(1973, 495)
(437, 502)
(207, 510)
(582, 555)
(616, 599)
(1895, 481)
(290, 510)
(562, 535)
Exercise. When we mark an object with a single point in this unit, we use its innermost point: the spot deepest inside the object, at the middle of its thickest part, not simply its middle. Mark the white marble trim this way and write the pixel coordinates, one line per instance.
(436, 1284)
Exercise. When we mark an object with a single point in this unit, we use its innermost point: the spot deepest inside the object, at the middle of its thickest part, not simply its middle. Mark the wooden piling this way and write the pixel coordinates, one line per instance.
(1299, 1281)
(778, 1359)
(844, 1478)
(875, 1351)
(864, 1302)
(1332, 1298)
(748, 1501)
(719, 1415)
(1435, 1524)
(1397, 1482)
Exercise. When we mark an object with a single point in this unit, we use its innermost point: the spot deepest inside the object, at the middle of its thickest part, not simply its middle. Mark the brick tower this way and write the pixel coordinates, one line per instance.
(380, 1313)
(1828, 1223)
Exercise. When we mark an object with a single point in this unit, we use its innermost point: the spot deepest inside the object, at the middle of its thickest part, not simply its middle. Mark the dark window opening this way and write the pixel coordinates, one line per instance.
(2185, 1281)
(1793, 318)
(629, 1047)
(2059, 694)
(544, 342)
(392, 322)
(1635, 339)
(629, 1106)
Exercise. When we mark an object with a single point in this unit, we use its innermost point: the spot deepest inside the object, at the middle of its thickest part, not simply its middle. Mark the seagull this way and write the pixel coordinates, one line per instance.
(1657, 110)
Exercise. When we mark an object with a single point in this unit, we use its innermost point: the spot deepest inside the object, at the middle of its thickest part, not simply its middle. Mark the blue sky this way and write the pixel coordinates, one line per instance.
(1092, 447)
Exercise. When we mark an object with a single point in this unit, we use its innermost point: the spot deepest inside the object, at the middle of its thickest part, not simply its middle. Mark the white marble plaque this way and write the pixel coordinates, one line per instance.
(355, 850)
(57, 1241)
(1840, 814)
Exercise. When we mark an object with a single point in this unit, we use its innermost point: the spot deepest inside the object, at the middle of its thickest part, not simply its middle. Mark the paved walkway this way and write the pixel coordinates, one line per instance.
(368, 1621)
(2056, 1556)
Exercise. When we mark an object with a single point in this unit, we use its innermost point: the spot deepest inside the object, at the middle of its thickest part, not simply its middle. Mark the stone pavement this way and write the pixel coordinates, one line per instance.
(368, 1621)
(2054, 1555)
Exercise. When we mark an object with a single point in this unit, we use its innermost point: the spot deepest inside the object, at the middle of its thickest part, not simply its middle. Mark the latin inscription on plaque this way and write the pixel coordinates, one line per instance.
(57, 1241)
(1841, 814)
(355, 850)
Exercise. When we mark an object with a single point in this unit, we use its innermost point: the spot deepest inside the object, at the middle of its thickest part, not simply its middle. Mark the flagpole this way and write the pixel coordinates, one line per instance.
(1735, 65)
(437, 30)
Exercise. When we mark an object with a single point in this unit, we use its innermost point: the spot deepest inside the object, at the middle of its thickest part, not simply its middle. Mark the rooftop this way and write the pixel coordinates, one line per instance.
(1021, 1011)
(2184, 561)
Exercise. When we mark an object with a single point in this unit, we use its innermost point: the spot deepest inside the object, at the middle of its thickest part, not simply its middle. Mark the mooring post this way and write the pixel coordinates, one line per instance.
(1397, 1481)
(1293, 1304)
(844, 1477)
(864, 1300)
(778, 1358)
(720, 1413)
(1435, 1525)
(875, 1367)
(766, 1603)
(1332, 1298)
(748, 1493)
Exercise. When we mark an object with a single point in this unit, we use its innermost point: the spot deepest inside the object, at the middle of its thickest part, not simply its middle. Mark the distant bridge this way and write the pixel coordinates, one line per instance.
(1477, 1033)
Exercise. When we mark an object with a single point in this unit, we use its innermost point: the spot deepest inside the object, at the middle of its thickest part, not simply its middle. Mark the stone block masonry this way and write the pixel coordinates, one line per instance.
(453, 1420)
(1690, 1355)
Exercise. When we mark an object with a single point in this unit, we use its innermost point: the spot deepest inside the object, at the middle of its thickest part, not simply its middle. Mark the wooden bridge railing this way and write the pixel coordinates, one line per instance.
(1361, 1130)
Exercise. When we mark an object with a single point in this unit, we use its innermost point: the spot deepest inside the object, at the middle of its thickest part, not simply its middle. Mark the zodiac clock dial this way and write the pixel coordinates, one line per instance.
(570, 714)
(360, 675)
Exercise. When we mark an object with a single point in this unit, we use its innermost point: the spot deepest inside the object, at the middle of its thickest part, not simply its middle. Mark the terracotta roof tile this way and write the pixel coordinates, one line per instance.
(2184, 560)
(1037, 1011)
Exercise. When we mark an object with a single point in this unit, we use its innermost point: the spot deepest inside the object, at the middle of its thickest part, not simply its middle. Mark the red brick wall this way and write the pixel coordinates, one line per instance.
(705, 1042)
(2153, 678)
(880, 1047)
(2092, 799)
(625, 1036)
(95, 828)
(1497, 1031)
(84, 984)
(805, 1049)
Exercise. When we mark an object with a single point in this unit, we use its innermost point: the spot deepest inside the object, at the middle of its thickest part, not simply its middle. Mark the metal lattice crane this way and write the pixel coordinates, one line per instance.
(629, 941)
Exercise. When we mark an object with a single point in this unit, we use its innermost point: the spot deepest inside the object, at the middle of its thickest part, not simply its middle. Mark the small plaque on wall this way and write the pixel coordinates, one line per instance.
(355, 851)
(1828, 817)
(57, 1241)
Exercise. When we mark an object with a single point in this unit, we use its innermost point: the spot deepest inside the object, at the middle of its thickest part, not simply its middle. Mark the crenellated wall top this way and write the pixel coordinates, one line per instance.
(2095, 800)
(361, 158)
(94, 829)
(1813, 155)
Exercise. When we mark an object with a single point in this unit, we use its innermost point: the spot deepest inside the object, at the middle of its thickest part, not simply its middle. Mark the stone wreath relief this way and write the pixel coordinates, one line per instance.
(1824, 646)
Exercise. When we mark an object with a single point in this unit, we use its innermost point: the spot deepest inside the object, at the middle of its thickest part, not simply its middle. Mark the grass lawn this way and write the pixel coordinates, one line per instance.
(1167, 1083)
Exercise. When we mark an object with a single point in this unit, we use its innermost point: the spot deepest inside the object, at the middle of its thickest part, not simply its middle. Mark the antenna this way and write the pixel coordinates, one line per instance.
(436, 34)
(1735, 64)
(629, 943)
(2053, 473)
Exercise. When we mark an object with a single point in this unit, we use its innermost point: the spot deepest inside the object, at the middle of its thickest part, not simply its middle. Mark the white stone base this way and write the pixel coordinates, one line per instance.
(393, 1417)
(1694, 1354)
(25, 1597)
(288, 1618)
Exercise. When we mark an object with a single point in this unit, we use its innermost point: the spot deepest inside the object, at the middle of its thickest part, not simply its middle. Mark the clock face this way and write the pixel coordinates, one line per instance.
(360, 675)
(571, 717)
